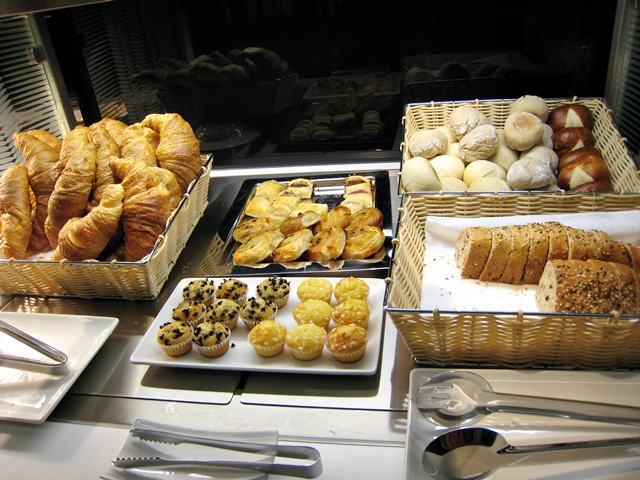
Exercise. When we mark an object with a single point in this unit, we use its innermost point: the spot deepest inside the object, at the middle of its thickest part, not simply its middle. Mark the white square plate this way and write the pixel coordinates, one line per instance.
(241, 355)
(30, 397)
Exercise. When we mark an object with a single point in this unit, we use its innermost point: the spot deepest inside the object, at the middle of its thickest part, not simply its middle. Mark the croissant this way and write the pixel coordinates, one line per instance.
(84, 238)
(140, 143)
(115, 128)
(106, 147)
(179, 149)
(75, 141)
(15, 212)
(144, 218)
(138, 177)
(48, 138)
(40, 157)
(71, 192)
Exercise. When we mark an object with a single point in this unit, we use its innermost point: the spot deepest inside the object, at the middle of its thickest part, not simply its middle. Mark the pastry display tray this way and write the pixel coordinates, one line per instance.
(328, 189)
(30, 397)
(241, 355)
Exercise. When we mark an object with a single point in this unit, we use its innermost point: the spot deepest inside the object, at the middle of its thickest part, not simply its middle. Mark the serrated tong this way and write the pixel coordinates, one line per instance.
(59, 362)
(312, 468)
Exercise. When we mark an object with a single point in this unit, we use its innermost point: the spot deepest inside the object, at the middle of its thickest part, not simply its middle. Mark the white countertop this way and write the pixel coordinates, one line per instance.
(83, 452)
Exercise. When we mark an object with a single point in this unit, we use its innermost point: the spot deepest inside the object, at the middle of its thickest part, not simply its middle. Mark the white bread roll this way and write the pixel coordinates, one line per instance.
(479, 144)
(542, 153)
(465, 118)
(531, 104)
(418, 175)
(482, 168)
(489, 184)
(522, 130)
(427, 143)
(453, 149)
(448, 166)
(452, 184)
(505, 156)
(530, 173)
(448, 131)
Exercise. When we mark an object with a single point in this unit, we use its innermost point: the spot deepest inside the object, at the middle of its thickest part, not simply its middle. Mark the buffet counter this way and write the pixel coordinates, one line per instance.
(365, 414)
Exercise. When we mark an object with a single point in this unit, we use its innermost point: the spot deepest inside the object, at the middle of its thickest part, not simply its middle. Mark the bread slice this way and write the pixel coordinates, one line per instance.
(611, 250)
(520, 240)
(497, 261)
(472, 250)
(634, 256)
(629, 288)
(558, 244)
(592, 245)
(576, 242)
(571, 286)
(538, 251)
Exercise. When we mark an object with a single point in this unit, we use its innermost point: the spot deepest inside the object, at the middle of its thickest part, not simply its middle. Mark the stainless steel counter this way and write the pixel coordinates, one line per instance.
(322, 408)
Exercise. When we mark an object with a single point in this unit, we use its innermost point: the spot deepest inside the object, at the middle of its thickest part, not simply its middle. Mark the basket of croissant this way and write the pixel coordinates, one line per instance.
(103, 213)
(252, 81)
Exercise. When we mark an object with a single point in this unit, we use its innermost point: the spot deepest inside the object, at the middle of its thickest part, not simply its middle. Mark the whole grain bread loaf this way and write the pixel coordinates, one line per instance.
(588, 286)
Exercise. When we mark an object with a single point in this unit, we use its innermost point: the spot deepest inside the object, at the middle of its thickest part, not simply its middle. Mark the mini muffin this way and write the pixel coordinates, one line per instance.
(223, 310)
(347, 343)
(190, 312)
(351, 287)
(267, 338)
(200, 290)
(315, 288)
(306, 341)
(212, 339)
(233, 289)
(257, 310)
(313, 311)
(353, 311)
(276, 289)
(175, 338)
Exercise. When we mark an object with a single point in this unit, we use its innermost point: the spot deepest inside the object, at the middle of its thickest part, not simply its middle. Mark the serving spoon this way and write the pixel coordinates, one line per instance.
(459, 397)
(473, 453)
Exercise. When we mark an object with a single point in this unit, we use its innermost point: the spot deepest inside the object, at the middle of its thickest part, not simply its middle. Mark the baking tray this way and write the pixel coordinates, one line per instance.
(327, 189)
(242, 357)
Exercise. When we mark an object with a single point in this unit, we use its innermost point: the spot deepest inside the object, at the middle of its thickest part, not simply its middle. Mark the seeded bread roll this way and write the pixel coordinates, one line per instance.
(472, 250)
(589, 286)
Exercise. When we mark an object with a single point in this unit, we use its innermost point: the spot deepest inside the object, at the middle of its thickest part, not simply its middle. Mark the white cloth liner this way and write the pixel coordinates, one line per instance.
(443, 288)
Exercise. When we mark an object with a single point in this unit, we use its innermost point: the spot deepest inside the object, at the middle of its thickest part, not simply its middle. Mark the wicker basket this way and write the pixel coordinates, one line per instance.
(505, 339)
(624, 173)
(128, 280)
(196, 105)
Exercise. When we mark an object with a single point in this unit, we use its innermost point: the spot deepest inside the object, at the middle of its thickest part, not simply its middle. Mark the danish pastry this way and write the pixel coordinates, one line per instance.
(336, 217)
(293, 246)
(257, 248)
(259, 204)
(366, 216)
(327, 245)
(255, 226)
(304, 220)
(362, 242)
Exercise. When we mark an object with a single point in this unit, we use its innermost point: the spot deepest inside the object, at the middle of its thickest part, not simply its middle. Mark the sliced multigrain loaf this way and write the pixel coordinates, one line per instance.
(538, 251)
(517, 259)
(610, 249)
(472, 250)
(629, 288)
(576, 286)
(634, 256)
(558, 245)
(577, 242)
(497, 260)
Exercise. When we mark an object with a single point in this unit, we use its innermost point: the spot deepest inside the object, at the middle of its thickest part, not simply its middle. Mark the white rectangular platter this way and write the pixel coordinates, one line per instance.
(30, 397)
(444, 288)
(241, 355)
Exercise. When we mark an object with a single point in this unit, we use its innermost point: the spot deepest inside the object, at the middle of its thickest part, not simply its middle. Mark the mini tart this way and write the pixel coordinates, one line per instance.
(276, 289)
(212, 339)
(306, 341)
(351, 287)
(190, 312)
(313, 311)
(203, 290)
(267, 338)
(223, 310)
(353, 311)
(315, 288)
(175, 338)
(234, 290)
(257, 310)
(347, 343)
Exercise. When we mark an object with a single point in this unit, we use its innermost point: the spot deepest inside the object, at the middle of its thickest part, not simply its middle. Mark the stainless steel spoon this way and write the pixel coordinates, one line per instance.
(459, 397)
(473, 453)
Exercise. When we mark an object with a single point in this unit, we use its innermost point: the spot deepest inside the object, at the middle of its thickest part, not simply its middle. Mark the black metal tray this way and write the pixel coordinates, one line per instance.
(328, 189)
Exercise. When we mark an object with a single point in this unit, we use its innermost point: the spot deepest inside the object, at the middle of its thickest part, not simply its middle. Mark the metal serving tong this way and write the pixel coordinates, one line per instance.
(311, 469)
(58, 366)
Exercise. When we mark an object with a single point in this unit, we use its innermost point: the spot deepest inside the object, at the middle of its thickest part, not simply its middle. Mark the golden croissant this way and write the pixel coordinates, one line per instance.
(71, 192)
(75, 141)
(140, 143)
(15, 212)
(179, 149)
(115, 128)
(106, 147)
(84, 238)
(137, 177)
(40, 153)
